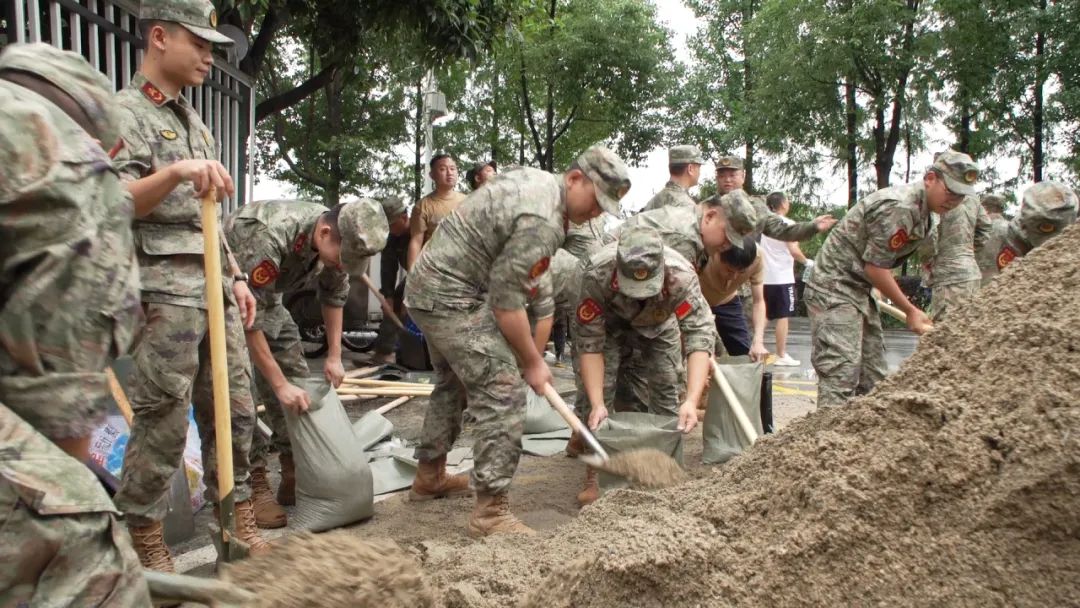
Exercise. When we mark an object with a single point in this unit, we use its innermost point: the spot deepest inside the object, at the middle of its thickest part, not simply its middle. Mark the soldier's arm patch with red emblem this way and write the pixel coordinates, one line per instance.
(539, 268)
(1007, 255)
(683, 309)
(898, 239)
(589, 311)
(298, 245)
(264, 274)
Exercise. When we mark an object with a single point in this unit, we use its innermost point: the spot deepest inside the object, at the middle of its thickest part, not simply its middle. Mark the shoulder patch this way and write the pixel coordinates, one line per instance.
(168, 134)
(589, 311)
(540, 267)
(152, 93)
(1005, 256)
(264, 274)
(298, 244)
(683, 309)
(117, 147)
(898, 239)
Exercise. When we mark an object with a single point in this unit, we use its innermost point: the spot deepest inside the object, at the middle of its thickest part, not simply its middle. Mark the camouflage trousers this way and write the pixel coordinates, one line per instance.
(172, 369)
(946, 298)
(475, 368)
(643, 374)
(848, 347)
(61, 543)
(289, 355)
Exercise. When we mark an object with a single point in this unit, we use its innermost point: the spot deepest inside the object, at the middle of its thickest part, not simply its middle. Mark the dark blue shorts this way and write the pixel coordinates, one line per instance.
(779, 301)
(732, 327)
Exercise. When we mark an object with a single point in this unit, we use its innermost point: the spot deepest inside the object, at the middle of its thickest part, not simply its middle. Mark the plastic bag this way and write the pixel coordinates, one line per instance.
(333, 479)
(720, 431)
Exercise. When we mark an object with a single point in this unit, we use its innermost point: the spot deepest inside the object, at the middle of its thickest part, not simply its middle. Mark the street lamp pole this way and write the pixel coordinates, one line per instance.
(434, 108)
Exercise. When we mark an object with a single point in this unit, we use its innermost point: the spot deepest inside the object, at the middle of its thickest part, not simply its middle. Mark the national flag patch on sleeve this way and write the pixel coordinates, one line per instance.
(589, 311)
(264, 274)
(683, 309)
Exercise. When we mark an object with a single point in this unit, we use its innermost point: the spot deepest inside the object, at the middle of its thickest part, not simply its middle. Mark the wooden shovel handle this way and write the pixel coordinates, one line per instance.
(387, 309)
(560, 406)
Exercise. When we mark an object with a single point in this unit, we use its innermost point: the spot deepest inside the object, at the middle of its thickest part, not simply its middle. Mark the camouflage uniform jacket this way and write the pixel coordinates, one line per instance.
(882, 229)
(1005, 243)
(494, 246)
(672, 195)
(583, 240)
(273, 242)
(70, 282)
(559, 286)
(157, 131)
(773, 225)
(680, 302)
(951, 253)
(679, 228)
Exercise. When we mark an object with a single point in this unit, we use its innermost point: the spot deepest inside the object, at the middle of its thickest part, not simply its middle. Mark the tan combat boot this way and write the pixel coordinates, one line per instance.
(576, 446)
(591, 492)
(286, 491)
(432, 481)
(268, 513)
(492, 515)
(150, 544)
(246, 530)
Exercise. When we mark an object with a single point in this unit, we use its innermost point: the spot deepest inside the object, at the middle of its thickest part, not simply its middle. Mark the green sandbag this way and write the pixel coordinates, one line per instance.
(540, 417)
(720, 431)
(626, 431)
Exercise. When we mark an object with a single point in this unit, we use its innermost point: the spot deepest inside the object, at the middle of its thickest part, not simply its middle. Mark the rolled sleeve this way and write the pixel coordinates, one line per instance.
(697, 326)
(543, 304)
(589, 318)
(880, 228)
(135, 158)
(522, 262)
(332, 287)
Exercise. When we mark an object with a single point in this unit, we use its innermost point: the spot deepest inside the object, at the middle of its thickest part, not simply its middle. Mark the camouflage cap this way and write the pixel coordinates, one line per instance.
(959, 171)
(363, 229)
(393, 207)
(1047, 209)
(729, 162)
(197, 16)
(685, 155)
(470, 175)
(993, 202)
(609, 176)
(639, 262)
(70, 73)
(740, 216)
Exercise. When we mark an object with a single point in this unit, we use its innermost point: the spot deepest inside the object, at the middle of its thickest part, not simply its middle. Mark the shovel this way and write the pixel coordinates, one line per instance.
(170, 588)
(649, 467)
(229, 546)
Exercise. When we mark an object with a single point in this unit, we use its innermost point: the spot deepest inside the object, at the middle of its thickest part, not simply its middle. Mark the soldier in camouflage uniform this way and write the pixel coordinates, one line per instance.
(876, 235)
(951, 271)
(994, 205)
(467, 292)
(70, 306)
(638, 292)
(684, 168)
(167, 161)
(1047, 209)
(282, 245)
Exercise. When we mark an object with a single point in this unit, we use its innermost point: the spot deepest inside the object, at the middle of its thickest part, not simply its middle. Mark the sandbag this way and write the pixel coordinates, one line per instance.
(720, 431)
(625, 431)
(540, 417)
(333, 480)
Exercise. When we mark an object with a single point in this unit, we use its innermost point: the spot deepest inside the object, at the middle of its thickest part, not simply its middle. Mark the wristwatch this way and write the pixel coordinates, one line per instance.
(240, 278)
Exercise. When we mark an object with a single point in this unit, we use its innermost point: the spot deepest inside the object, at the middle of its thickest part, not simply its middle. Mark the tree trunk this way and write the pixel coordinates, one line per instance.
(963, 132)
(547, 160)
(494, 112)
(1037, 159)
(748, 92)
(851, 131)
(418, 129)
(334, 90)
(882, 161)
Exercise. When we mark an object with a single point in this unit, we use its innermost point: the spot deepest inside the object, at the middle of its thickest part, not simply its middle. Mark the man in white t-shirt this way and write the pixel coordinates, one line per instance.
(780, 257)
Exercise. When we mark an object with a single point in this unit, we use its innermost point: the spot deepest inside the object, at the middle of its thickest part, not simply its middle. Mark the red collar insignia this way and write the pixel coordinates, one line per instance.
(153, 93)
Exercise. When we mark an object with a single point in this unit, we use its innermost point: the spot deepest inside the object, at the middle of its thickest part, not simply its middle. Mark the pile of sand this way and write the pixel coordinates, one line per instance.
(332, 570)
(956, 482)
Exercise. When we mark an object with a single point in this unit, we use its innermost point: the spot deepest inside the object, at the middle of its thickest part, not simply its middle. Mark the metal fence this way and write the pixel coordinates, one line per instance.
(105, 32)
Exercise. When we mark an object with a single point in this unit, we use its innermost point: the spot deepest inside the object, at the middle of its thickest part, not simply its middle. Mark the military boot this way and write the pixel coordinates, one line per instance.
(492, 515)
(246, 530)
(432, 481)
(576, 446)
(268, 513)
(149, 542)
(591, 492)
(286, 491)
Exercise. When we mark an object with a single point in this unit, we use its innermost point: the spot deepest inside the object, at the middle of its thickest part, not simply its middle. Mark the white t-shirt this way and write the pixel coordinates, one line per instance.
(779, 263)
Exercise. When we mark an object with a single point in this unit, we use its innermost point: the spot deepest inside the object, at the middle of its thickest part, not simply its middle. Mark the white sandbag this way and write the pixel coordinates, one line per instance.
(333, 480)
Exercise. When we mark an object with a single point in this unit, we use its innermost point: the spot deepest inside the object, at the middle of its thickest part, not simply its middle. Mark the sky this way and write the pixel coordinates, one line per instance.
(649, 177)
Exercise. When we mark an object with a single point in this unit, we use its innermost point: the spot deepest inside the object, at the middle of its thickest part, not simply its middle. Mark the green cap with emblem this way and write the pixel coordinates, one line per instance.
(685, 155)
(393, 207)
(739, 215)
(1047, 209)
(70, 73)
(197, 16)
(728, 161)
(363, 229)
(993, 203)
(958, 170)
(608, 174)
(639, 262)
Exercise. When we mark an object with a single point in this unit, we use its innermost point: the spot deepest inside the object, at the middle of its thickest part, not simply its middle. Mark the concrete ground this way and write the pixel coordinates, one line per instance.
(544, 489)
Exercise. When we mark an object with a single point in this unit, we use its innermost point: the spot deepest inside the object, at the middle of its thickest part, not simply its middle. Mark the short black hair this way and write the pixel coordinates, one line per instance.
(435, 159)
(145, 25)
(330, 216)
(775, 200)
(678, 168)
(741, 259)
